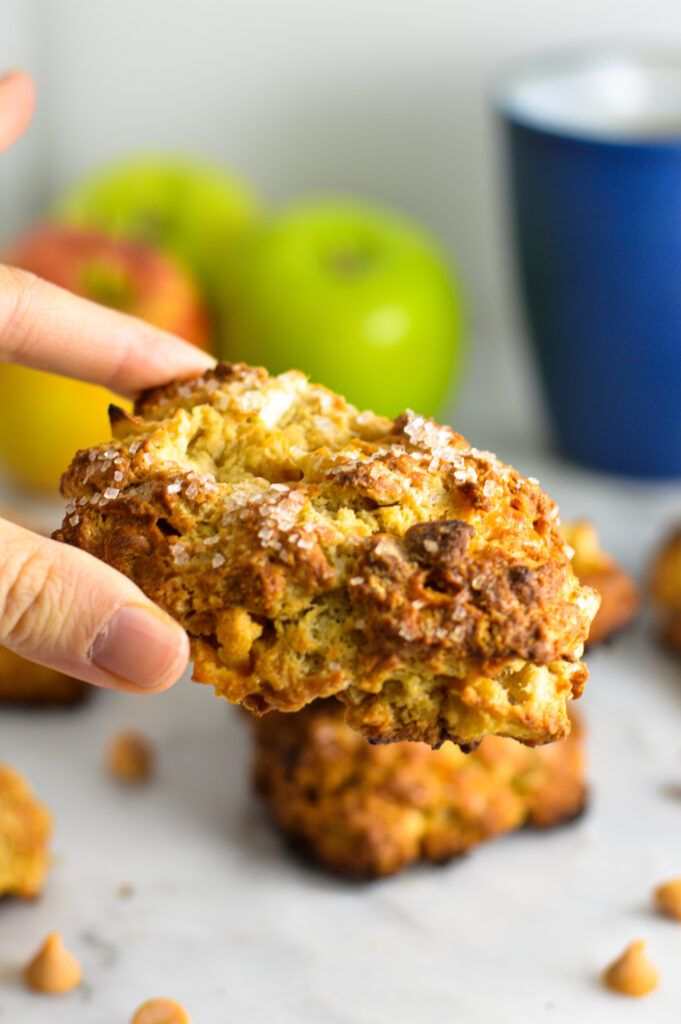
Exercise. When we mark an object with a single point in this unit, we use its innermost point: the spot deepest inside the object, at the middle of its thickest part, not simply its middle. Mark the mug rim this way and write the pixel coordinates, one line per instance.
(543, 65)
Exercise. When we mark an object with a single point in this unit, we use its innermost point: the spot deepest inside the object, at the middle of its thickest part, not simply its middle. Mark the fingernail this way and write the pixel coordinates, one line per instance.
(140, 645)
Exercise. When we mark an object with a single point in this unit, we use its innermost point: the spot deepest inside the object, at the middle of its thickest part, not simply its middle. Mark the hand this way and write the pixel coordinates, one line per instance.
(59, 606)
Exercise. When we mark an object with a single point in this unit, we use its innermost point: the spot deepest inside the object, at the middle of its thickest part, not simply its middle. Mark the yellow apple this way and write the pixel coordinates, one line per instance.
(44, 420)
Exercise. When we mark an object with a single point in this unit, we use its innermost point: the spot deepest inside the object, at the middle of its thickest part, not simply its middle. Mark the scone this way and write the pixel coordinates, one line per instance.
(24, 682)
(25, 832)
(665, 588)
(311, 550)
(363, 810)
(596, 569)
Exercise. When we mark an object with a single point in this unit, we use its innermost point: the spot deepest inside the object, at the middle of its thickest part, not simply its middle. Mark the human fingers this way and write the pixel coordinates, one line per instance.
(63, 608)
(48, 328)
(17, 103)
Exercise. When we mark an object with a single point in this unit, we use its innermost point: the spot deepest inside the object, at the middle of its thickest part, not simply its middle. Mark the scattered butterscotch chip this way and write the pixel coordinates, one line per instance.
(668, 898)
(130, 757)
(53, 969)
(632, 974)
(161, 1011)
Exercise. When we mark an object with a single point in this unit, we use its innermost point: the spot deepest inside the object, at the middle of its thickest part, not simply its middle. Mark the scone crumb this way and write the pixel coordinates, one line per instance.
(161, 1011)
(668, 898)
(632, 974)
(54, 968)
(130, 757)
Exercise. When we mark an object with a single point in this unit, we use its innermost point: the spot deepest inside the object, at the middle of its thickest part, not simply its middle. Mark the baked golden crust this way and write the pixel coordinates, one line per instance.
(598, 570)
(24, 682)
(312, 550)
(665, 588)
(25, 831)
(363, 810)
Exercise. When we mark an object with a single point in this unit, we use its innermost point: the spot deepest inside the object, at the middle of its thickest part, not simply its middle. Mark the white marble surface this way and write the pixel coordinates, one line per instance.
(223, 918)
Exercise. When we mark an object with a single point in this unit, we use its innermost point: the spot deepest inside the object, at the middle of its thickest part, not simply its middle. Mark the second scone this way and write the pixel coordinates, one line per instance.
(310, 549)
(366, 811)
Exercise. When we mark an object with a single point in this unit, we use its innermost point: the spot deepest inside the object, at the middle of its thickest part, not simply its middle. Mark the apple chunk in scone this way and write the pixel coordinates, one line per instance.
(312, 550)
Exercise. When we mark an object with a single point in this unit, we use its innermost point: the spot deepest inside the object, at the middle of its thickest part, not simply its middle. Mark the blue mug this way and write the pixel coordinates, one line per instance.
(594, 154)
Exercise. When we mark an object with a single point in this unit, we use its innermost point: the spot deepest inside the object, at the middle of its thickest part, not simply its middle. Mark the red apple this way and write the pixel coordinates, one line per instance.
(129, 276)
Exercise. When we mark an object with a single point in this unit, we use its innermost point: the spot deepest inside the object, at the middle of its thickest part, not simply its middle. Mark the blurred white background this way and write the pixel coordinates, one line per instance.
(389, 100)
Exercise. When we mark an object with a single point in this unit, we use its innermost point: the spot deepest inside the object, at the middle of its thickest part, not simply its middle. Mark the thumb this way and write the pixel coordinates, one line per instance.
(61, 607)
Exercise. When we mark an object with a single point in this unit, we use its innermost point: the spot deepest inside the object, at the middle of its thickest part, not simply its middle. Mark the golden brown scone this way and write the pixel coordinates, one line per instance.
(24, 682)
(25, 832)
(312, 550)
(596, 569)
(364, 810)
(665, 588)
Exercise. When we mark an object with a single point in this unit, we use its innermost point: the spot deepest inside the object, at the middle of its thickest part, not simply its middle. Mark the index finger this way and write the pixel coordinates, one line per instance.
(48, 328)
(17, 101)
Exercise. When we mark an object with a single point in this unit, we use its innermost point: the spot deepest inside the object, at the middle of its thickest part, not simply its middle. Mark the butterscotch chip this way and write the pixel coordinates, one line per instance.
(53, 969)
(668, 898)
(25, 833)
(632, 974)
(365, 811)
(310, 550)
(130, 757)
(161, 1011)
(24, 682)
(598, 570)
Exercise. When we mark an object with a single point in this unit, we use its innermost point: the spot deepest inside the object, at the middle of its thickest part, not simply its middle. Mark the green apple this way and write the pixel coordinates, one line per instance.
(360, 298)
(193, 210)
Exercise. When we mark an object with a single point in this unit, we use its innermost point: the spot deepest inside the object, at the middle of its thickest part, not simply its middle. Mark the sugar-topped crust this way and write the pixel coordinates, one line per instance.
(365, 811)
(310, 549)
